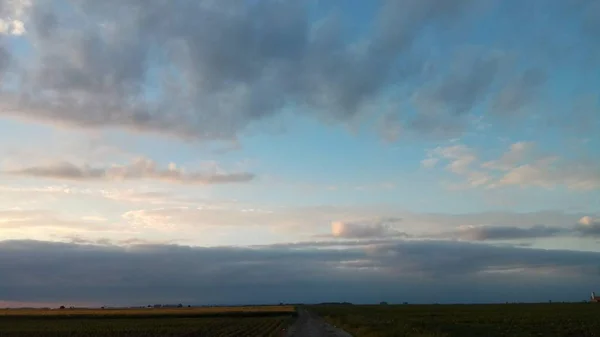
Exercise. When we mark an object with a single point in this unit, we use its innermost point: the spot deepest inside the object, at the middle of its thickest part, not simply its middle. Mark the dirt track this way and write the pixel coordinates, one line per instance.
(311, 325)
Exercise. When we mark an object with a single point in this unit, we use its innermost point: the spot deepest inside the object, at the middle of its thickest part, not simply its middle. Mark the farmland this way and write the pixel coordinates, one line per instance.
(552, 320)
(208, 322)
(576, 319)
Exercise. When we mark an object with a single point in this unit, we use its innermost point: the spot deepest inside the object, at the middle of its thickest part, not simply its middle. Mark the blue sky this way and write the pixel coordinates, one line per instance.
(412, 126)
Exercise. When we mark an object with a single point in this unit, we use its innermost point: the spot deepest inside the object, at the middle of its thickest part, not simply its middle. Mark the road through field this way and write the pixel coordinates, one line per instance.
(310, 325)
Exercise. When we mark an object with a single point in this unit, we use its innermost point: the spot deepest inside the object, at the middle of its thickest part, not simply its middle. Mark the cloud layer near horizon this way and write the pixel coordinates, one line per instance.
(414, 271)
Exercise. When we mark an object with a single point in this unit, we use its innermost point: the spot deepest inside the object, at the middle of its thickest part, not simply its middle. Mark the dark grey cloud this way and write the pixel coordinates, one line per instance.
(463, 87)
(141, 168)
(490, 233)
(416, 271)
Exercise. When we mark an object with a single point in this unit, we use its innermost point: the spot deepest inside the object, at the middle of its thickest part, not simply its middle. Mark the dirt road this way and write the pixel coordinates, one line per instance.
(311, 325)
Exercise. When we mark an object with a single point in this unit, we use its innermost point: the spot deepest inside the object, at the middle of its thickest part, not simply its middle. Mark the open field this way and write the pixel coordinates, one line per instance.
(194, 311)
(548, 320)
(206, 322)
(552, 320)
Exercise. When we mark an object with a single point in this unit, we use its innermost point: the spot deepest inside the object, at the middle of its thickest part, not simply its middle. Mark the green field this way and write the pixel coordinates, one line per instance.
(206, 322)
(548, 320)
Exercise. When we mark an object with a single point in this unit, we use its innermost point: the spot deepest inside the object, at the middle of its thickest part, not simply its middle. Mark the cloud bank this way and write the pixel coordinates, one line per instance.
(414, 271)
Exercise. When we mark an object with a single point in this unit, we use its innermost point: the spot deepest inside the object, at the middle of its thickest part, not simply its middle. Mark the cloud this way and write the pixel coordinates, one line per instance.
(11, 16)
(140, 168)
(31, 218)
(549, 172)
(207, 215)
(79, 240)
(390, 127)
(491, 233)
(519, 166)
(414, 271)
(517, 153)
(460, 160)
(589, 226)
(381, 228)
(212, 71)
(519, 92)
(462, 88)
(429, 162)
(208, 70)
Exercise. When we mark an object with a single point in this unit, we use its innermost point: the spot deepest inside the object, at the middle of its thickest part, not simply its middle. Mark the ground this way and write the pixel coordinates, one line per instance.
(310, 325)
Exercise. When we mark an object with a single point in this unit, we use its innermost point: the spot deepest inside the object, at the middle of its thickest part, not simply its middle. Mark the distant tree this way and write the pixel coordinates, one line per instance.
(180, 305)
(62, 307)
(189, 306)
(383, 303)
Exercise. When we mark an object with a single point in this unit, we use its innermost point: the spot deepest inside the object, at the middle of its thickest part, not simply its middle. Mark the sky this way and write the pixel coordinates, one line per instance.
(266, 151)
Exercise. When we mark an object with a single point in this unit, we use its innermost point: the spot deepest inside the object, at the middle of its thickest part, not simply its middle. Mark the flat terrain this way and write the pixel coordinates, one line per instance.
(548, 320)
(518, 320)
(194, 311)
(260, 321)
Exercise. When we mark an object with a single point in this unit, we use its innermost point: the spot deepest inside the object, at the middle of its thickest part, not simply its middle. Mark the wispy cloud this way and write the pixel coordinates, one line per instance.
(141, 168)
(519, 166)
(31, 218)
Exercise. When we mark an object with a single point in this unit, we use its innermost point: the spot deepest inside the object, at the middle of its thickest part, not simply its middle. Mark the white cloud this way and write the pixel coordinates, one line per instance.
(588, 221)
(93, 218)
(380, 228)
(550, 172)
(461, 160)
(519, 166)
(12, 13)
(460, 157)
(589, 226)
(517, 153)
(429, 162)
(32, 218)
(12, 27)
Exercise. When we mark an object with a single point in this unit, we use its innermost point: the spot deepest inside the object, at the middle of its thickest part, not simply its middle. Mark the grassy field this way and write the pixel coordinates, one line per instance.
(548, 320)
(259, 321)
